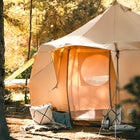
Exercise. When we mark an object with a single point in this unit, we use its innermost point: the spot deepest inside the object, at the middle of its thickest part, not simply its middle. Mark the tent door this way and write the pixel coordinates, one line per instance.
(88, 83)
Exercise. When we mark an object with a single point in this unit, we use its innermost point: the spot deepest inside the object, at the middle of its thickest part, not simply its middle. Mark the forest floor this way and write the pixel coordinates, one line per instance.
(18, 115)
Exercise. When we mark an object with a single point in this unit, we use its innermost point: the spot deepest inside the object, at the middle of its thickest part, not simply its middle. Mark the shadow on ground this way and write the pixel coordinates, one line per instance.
(18, 115)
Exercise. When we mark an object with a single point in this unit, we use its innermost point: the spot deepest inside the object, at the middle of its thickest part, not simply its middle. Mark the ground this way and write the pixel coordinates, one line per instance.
(18, 115)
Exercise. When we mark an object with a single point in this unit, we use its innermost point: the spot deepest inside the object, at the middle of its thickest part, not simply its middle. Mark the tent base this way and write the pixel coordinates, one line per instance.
(86, 123)
(93, 115)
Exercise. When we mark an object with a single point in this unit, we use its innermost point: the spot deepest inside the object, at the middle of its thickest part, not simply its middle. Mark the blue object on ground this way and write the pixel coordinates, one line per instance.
(62, 118)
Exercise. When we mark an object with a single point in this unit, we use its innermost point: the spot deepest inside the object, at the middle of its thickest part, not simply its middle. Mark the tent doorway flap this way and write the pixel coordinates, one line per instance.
(88, 83)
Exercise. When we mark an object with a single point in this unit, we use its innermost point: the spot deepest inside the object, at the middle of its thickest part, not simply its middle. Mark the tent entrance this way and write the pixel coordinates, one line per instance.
(88, 83)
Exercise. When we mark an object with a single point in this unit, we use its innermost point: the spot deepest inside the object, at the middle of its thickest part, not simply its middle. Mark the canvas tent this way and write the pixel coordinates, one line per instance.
(86, 57)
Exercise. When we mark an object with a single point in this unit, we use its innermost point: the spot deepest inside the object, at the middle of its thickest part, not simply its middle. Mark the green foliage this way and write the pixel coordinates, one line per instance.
(134, 89)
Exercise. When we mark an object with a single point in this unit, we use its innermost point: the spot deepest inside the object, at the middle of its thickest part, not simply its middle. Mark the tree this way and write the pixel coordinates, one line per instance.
(4, 133)
(29, 50)
(134, 89)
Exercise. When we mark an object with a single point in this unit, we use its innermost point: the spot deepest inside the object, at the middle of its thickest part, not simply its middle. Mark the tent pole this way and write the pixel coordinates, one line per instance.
(117, 77)
(110, 79)
(67, 82)
(117, 84)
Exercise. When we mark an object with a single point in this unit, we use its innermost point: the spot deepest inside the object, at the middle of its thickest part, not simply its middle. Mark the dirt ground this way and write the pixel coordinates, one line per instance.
(18, 115)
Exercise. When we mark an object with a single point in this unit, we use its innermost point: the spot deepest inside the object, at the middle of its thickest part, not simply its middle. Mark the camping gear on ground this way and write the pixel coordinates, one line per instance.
(124, 127)
(110, 117)
(62, 118)
(114, 116)
(42, 114)
(46, 119)
(106, 123)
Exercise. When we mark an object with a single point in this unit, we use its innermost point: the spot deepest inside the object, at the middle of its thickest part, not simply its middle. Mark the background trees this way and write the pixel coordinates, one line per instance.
(51, 19)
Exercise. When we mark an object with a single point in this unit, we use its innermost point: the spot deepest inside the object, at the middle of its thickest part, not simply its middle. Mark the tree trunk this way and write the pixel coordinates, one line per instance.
(4, 132)
(29, 50)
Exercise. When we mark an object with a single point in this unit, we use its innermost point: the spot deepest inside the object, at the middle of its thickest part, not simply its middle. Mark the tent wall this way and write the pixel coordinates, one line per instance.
(89, 98)
(86, 98)
(129, 68)
(41, 82)
(40, 92)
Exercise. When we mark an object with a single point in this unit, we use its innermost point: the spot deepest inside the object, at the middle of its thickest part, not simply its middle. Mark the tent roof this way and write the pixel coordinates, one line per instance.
(118, 24)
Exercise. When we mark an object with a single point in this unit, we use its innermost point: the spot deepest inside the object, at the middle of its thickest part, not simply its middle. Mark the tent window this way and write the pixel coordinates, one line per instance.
(94, 70)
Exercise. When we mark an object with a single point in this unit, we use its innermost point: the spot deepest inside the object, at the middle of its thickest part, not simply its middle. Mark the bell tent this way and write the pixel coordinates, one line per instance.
(82, 73)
